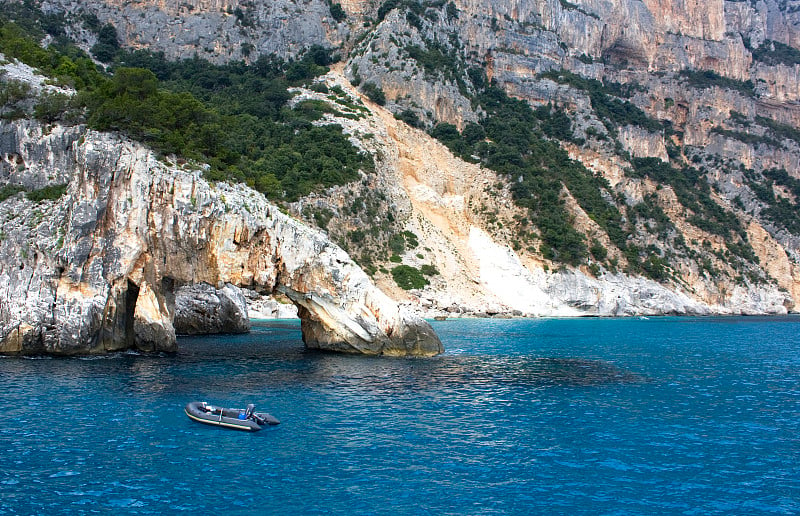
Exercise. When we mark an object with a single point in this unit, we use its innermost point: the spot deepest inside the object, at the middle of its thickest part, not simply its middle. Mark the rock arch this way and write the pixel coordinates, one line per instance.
(135, 230)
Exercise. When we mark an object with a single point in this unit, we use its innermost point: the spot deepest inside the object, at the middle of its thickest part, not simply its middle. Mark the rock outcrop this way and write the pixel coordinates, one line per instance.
(95, 267)
(218, 30)
(680, 69)
(201, 309)
(454, 207)
(268, 307)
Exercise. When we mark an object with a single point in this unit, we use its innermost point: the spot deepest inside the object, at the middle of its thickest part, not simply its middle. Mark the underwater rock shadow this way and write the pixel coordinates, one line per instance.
(380, 376)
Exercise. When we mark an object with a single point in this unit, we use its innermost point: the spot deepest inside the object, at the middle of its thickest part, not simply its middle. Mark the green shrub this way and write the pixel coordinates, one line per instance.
(107, 45)
(774, 52)
(655, 268)
(397, 243)
(374, 93)
(428, 270)
(356, 236)
(408, 277)
(554, 122)
(48, 193)
(781, 211)
(704, 79)
(321, 216)
(411, 239)
(748, 138)
(598, 251)
(8, 191)
(53, 107)
(616, 112)
(436, 59)
(14, 99)
(337, 12)
(780, 130)
(410, 117)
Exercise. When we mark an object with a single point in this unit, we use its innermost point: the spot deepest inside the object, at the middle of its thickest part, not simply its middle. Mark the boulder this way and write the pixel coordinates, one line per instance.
(203, 309)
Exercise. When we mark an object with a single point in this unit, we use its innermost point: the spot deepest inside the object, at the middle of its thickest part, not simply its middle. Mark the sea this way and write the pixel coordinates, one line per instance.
(666, 415)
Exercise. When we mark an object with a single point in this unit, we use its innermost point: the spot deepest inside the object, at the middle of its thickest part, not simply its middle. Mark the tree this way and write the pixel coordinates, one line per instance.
(337, 12)
(107, 45)
(374, 93)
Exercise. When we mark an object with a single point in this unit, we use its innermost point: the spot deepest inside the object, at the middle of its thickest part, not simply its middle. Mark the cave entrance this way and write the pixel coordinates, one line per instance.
(131, 295)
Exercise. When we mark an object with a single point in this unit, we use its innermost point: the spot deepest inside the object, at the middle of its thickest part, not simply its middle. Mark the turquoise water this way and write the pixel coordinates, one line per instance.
(601, 416)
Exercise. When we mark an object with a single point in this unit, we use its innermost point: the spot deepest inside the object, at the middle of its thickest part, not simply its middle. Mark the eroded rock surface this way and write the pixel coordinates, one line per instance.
(96, 270)
(202, 309)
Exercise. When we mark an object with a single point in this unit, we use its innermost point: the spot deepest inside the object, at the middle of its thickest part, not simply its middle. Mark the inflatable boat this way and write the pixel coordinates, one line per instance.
(240, 419)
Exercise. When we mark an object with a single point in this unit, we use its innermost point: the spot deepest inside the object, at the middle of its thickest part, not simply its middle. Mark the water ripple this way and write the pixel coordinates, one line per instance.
(518, 417)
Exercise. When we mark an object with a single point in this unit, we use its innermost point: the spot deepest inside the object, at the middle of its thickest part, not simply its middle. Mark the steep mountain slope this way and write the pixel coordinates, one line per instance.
(653, 167)
(219, 30)
(465, 224)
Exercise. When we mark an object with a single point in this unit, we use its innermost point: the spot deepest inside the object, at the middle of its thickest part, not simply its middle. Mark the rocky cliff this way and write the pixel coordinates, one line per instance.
(218, 30)
(94, 264)
(201, 309)
(706, 89)
(464, 220)
(683, 117)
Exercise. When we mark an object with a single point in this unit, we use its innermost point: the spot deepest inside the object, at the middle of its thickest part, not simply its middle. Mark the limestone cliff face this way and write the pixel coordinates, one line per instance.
(464, 218)
(202, 309)
(218, 30)
(724, 129)
(424, 58)
(405, 82)
(97, 269)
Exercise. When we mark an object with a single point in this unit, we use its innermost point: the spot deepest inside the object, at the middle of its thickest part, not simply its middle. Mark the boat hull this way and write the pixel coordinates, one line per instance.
(226, 417)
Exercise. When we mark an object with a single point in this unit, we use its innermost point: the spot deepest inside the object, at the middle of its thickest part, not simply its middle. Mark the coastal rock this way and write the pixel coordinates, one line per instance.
(268, 307)
(96, 269)
(480, 273)
(203, 309)
(329, 326)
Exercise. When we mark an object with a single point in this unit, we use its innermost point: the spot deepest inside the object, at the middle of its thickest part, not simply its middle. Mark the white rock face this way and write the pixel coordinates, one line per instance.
(96, 270)
(517, 288)
(203, 309)
(481, 274)
(570, 293)
(267, 307)
(642, 144)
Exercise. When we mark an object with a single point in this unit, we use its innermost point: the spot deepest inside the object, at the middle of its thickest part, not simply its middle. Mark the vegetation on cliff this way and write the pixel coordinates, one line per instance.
(515, 141)
(774, 53)
(234, 117)
(526, 146)
(543, 107)
(609, 101)
(782, 209)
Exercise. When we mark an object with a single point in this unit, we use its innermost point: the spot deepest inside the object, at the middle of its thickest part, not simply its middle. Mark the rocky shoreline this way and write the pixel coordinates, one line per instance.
(126, 245)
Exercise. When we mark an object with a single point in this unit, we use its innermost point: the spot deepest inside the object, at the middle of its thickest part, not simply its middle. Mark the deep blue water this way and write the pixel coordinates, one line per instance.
(549, 416)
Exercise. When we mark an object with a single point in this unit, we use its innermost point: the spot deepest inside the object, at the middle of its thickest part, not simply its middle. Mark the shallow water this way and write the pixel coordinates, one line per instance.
(602, 416)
